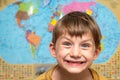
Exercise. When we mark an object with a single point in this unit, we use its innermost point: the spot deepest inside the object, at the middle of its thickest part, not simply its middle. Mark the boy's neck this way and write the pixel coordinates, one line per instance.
(60, 74)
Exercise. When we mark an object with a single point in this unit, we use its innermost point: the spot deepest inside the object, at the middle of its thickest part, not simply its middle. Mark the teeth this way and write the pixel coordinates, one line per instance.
(75, 62)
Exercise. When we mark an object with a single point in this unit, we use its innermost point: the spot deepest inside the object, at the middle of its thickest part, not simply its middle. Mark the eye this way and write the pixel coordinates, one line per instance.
(67, 44)
(85, 45)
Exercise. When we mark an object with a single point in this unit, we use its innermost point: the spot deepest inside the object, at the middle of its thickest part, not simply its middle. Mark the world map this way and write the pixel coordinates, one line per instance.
(26, 29)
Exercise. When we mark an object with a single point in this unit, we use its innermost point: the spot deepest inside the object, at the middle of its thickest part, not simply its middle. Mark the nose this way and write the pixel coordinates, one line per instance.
(75, 52)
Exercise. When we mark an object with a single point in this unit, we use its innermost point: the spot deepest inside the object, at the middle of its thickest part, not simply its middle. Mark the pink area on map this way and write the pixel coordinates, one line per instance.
(77, 6)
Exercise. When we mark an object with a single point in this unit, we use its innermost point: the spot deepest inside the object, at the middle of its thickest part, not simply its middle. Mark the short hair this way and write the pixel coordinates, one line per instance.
(77, 24)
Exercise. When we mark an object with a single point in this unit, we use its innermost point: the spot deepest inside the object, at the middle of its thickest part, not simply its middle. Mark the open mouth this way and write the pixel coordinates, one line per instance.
(75, 62)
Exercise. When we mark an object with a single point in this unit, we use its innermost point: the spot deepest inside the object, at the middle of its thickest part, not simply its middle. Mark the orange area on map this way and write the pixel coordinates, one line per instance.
(34, 39)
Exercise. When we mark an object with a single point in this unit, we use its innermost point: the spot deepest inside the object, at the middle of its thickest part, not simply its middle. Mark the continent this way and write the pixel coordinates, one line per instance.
(21, 15)
(32, 38)
(79, 6)
(64, 9)
(25, 11)
(54, 18)
(34, 41)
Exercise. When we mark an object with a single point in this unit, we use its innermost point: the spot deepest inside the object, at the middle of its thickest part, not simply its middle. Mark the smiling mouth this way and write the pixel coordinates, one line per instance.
(75, 62)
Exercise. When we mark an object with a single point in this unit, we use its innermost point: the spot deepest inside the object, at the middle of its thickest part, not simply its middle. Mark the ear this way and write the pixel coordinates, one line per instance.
(97, 52)
(52, 49)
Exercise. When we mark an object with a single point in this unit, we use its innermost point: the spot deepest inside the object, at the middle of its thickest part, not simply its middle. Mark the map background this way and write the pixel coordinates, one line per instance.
(113, 69)
(14, 37)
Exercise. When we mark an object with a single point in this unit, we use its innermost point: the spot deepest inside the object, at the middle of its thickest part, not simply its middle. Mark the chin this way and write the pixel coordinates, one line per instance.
(74, 70)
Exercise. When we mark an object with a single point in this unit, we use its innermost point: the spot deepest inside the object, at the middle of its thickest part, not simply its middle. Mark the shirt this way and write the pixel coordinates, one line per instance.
(48, 75)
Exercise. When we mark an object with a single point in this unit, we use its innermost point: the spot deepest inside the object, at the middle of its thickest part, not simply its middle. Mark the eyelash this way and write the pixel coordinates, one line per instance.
(86, 45)
(67, 44)
(83, 46)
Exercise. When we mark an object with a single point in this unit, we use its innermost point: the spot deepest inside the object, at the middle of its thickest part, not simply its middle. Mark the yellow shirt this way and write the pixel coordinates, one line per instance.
(48, 75)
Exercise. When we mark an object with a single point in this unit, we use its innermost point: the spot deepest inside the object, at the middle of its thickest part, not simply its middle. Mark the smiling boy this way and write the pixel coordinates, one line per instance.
(75, 45)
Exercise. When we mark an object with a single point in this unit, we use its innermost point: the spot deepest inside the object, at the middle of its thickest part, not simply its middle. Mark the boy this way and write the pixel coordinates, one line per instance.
(75, 45)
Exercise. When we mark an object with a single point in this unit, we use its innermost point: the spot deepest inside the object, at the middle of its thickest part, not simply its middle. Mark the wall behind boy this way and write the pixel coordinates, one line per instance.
(9, 70)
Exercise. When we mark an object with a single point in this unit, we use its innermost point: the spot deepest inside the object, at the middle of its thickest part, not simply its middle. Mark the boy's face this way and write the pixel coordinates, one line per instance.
(74, 54)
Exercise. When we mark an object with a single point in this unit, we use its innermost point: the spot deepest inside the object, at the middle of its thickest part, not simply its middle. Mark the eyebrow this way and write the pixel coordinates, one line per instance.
(88, 40)
(63, 37)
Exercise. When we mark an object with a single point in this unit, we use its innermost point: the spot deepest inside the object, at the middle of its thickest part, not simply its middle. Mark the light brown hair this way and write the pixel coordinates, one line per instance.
(77, 24)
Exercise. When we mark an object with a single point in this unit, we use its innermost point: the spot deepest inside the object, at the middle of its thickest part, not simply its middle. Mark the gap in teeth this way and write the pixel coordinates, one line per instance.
(74, 62)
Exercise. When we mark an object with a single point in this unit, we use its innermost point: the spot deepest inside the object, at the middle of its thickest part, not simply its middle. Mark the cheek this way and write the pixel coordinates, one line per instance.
(89, 55)
(61, 52)
(61, 49)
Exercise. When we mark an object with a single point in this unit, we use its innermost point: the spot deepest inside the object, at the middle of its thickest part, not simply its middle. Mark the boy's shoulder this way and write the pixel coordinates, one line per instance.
(103, 78)
(97, 76)
(46, 75)
(41, 77)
